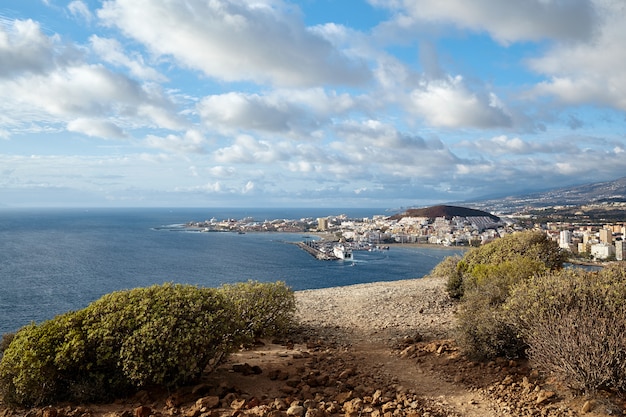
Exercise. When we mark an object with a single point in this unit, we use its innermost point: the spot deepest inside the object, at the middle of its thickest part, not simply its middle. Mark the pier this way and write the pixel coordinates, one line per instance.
(313, 250)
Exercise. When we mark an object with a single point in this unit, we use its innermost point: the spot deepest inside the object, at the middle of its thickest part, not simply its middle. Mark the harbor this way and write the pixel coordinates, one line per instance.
(326, 250)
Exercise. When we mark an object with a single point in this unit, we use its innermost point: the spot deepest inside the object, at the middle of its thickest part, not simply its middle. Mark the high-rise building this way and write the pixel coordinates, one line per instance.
(606, 236)
(620, 250)
(565, 239)
(322, 224)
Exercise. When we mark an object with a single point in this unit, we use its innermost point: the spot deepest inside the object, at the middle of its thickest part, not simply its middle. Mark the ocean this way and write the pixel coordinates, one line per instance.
(56, 260)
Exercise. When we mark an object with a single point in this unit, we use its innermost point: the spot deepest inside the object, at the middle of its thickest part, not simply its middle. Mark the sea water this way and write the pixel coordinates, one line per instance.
(56, 260)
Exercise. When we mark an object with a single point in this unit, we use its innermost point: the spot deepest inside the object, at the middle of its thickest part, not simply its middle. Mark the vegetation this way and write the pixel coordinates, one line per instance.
(516, 300)
(126, 340)
(265, 310)
(482, 280)
(574, 323)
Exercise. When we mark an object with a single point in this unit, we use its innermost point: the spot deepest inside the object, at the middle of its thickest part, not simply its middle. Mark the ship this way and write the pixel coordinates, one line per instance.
(342, 252)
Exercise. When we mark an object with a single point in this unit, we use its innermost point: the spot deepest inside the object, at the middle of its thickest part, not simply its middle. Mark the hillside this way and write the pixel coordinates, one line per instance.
(592, 193)
(444, 211)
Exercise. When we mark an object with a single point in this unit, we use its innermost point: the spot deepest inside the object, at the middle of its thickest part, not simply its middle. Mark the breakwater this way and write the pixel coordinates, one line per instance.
(315, 251)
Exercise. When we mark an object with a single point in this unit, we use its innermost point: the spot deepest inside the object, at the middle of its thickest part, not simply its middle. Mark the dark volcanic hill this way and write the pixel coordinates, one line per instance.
(444, 211)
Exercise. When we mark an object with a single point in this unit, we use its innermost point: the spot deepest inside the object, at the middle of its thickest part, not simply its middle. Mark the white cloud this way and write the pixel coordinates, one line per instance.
(263, 41)
(24, 48)
(96, 128)
(192, 142)
(588, 72)
(248, 150)
(286, 111)
(112, 52)
(86, 92)
(448, 103)
(79, 9)
(505, 20)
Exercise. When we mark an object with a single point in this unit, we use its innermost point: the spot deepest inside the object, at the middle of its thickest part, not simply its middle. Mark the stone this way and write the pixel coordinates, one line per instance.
(353, 406)
(142, 411)
(342, 397)
(587, 406)
(50, 412)
(174, 400)
(208, 402)
(346, 373)
(544, 396)
(238, 404)
(296, 411)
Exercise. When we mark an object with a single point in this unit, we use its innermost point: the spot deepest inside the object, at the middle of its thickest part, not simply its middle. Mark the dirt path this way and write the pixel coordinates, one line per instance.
(371, 318)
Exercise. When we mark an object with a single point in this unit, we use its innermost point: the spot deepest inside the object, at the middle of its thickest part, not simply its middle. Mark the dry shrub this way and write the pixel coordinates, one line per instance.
(574, 322)
(484, 331)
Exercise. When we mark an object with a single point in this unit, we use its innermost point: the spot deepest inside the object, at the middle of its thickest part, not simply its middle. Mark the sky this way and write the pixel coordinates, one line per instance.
(310, 103)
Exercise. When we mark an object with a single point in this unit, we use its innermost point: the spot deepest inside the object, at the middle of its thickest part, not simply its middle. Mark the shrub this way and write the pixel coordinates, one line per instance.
(482, 280)
(483, 329)
(532, 245)
(574, 323)
(123, 341)
(159, 335)
(265, 309)
(452, 268)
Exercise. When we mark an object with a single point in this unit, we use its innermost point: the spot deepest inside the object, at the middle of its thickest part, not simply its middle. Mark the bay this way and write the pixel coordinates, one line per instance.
(56, 260)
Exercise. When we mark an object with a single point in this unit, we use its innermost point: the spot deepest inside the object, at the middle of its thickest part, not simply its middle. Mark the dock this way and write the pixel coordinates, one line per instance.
(314, 251)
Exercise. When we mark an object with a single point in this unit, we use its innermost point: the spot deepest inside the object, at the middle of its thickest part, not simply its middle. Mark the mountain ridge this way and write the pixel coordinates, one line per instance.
(591, 193)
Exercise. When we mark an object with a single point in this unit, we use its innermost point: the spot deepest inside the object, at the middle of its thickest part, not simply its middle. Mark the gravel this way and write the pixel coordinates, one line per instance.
(378, 312)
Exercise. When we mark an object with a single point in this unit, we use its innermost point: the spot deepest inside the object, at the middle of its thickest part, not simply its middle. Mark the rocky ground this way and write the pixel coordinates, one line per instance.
(381, 350)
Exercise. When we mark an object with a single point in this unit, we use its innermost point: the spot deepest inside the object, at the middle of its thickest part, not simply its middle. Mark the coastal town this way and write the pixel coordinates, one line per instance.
(339, 235)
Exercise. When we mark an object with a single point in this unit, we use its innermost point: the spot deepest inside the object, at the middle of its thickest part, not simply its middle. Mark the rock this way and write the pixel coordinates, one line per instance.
(342, 397)
(314, 412)
(279, 404)
(50, 412)
(246, 369)
(173, 401)
(587, 406)
(238, 404)
(296, 411)
(142, 411)
(408, 351)
(353, 406)
(346, 373)
(544, 396)
(208, 402)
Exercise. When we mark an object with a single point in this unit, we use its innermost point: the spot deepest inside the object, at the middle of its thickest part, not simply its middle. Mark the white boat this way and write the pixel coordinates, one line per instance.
(342, 252)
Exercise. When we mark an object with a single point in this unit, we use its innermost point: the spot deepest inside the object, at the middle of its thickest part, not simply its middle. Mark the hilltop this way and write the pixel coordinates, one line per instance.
(444, 211)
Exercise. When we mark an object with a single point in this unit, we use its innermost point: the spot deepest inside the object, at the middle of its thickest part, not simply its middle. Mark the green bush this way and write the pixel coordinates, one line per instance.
(574, 323)
(482, 280)
(484, 331)
(266, 309)
(532, 245)
(126, 340)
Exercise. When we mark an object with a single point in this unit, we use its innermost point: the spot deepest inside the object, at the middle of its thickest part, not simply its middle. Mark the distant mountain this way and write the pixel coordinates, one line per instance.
(594, 193)
(444, 211)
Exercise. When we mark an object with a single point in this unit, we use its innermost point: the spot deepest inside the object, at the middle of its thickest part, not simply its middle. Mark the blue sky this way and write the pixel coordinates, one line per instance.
(312, 103)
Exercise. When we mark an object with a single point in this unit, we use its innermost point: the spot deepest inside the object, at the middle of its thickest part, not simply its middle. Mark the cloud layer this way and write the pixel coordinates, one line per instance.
(270, 102)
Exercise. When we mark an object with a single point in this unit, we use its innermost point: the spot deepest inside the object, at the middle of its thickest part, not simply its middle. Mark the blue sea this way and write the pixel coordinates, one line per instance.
(56, 260)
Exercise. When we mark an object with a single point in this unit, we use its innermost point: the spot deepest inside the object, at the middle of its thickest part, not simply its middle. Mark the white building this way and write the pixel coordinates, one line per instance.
(602, 250)
(565, 239)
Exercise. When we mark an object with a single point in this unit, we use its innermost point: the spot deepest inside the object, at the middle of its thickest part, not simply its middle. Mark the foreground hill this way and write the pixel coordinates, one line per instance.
(444, 211)
(370, 350)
